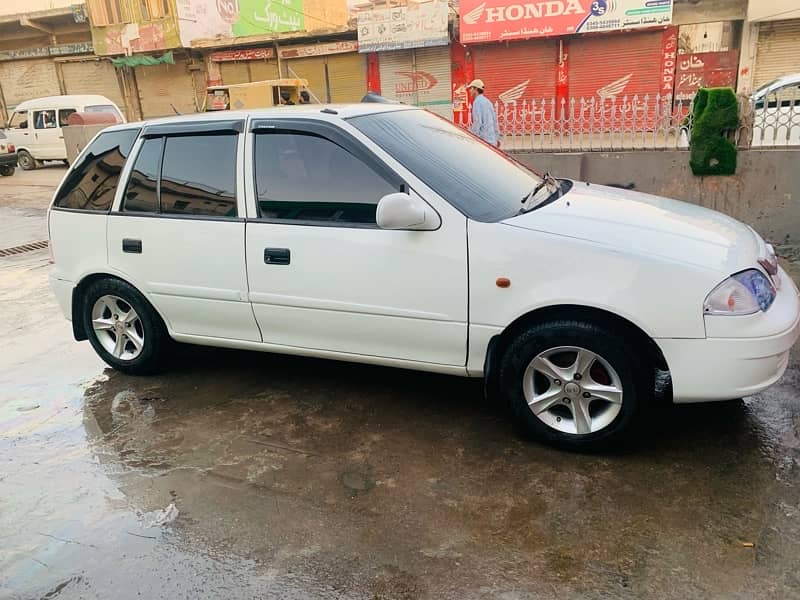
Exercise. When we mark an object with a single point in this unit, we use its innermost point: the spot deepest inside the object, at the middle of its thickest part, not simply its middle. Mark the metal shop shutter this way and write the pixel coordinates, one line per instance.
(347, 76)
(396, 68)
(624, 64)
(778, 51)
(518, 71)
(312, 69)
(234, 72)
(433, 68)
(426, 84)
(28, 79)
(263, 70)
(163, 86)
(93, 77)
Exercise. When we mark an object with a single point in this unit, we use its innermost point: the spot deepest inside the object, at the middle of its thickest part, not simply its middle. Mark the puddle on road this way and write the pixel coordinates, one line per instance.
(297, 478)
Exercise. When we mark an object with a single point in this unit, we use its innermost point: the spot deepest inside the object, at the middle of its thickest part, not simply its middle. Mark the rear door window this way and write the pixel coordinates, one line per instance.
(198, 176)
(185, 175)
(93, 180)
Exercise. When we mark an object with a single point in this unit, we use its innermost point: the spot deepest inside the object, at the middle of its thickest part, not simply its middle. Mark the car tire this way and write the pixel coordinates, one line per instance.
(130, 342)
(26, 161)
(576, 385)
(6, 170)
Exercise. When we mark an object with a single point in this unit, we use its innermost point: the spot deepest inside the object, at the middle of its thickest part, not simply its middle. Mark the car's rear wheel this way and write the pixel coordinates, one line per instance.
(123, 328)
(6, 170)
(26, 161)
(576, 385)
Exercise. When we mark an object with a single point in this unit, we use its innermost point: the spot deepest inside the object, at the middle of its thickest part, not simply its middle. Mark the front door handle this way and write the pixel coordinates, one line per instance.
(132, 246)
(277, 256)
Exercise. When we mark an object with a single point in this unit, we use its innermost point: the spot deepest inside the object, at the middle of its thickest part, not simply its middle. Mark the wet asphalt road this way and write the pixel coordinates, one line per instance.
(297, 478)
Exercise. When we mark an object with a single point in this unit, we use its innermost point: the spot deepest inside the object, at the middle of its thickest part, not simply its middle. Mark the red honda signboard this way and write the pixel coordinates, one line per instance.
(498, 20)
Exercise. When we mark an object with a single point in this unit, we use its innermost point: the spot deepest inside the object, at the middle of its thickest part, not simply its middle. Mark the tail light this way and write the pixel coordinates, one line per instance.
(11, 149)
(51, 258)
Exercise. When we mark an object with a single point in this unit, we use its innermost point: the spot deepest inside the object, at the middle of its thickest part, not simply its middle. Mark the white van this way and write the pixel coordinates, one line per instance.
(36, 126)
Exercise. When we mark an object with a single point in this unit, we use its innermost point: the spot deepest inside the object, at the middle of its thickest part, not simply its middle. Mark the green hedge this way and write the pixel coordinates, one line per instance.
(714, 111)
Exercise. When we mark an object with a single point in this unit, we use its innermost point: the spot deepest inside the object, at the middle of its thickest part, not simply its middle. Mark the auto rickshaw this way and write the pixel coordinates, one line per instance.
(258, 94)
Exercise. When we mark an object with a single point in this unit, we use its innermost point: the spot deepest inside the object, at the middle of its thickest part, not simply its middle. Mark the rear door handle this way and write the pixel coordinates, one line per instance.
(132, 246)
(277, 256)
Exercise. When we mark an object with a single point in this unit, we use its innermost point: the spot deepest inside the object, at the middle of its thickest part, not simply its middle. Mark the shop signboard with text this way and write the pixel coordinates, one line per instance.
(417, 25)
(499, 20)
(211, 19)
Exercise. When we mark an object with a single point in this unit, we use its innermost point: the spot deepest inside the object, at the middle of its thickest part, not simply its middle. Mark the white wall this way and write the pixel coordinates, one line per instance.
(12, 7)
(772, 10)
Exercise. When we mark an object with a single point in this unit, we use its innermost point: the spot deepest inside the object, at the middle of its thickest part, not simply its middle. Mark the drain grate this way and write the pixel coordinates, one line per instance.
(24, 248)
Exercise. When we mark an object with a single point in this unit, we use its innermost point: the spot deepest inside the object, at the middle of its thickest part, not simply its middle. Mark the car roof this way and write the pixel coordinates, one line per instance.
(62, 101)
(322, 112)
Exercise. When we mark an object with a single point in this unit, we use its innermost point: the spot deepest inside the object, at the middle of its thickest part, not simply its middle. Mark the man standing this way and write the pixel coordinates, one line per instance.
(484, 119)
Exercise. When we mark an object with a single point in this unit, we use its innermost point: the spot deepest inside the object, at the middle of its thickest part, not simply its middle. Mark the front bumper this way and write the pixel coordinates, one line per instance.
(724, 367)
(8, 159)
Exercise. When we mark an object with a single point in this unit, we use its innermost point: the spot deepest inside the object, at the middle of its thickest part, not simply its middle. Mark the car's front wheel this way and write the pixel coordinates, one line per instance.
(123, 328)
(575, 384)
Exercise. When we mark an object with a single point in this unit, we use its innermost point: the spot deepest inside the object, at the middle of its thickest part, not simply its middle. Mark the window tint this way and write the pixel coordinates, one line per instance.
(92, 181)
(305, 177)
(479, 180)
(141, 192)
(198, 176)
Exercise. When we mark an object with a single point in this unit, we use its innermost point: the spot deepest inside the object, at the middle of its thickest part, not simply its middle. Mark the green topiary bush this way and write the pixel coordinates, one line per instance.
(714, 111)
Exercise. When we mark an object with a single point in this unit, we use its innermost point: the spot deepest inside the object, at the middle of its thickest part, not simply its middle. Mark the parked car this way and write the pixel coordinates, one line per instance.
(776, 112)
(8, 157)
(383, 234)
(36, 127)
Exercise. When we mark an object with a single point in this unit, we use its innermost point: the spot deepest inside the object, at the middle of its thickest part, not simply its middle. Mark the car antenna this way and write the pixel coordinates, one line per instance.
(174, 109)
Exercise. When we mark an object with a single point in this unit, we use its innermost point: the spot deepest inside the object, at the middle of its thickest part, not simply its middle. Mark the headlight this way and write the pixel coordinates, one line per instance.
(742, 294)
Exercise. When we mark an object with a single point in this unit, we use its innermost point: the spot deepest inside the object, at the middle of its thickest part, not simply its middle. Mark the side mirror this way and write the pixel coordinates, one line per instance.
(23, 125)
(402, 211)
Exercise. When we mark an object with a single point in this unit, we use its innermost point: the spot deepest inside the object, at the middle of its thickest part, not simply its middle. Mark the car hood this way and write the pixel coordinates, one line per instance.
(648, 225)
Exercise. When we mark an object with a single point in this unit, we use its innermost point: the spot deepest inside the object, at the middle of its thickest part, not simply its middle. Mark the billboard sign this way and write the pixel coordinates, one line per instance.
(499, 20)
(416, 26)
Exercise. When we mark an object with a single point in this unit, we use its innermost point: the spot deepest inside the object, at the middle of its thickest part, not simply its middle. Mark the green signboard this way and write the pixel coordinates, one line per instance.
(269, 16)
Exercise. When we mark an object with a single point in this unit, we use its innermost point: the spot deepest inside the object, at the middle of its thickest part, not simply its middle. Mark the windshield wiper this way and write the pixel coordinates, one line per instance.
(546, 180)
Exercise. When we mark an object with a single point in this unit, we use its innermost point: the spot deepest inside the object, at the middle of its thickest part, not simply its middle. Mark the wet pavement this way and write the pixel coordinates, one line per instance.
(246, 475)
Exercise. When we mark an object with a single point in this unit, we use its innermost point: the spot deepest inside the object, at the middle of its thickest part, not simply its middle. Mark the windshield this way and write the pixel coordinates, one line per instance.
(479, 180)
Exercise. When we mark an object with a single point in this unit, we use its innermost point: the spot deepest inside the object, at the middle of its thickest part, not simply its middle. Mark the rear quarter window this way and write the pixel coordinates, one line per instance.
(93, 180)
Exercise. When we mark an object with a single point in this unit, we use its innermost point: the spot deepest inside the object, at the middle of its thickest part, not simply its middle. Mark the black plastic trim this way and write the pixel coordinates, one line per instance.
(80, 210)
(194, 128)
(148, 215)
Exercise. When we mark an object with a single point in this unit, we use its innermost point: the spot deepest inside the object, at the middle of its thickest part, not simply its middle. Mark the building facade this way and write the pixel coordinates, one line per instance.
(45, 52)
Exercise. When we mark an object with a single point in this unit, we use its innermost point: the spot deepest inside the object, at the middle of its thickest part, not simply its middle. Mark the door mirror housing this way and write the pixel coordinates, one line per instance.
(403, 211)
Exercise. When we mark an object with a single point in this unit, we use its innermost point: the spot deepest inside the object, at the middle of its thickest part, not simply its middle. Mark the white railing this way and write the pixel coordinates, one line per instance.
(633, 123)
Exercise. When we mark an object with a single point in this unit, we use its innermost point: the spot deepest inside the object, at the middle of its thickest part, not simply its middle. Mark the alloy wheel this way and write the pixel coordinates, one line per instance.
(118, 327)
(572, 390)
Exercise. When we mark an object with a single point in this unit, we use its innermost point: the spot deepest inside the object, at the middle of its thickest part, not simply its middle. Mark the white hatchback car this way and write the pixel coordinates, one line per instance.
(383, 234)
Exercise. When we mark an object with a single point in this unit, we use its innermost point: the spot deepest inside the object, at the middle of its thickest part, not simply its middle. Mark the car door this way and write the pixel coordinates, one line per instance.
(48, 143)
(177, 230)
(323, 276)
